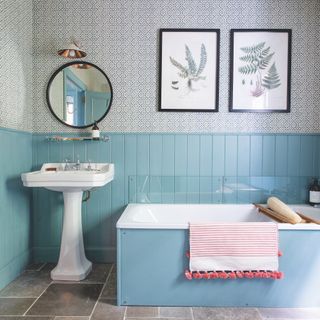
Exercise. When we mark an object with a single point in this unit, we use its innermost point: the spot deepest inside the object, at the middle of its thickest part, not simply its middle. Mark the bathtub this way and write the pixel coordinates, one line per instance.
(152, 240)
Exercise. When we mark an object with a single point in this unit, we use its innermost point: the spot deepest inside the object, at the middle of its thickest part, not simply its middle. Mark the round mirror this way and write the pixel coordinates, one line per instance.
(79, 93)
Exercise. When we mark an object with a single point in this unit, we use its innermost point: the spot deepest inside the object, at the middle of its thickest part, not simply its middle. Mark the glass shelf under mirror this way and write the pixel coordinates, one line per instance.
(84, 138)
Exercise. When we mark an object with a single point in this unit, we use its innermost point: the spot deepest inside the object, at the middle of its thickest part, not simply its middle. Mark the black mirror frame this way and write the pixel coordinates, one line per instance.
(54, 75)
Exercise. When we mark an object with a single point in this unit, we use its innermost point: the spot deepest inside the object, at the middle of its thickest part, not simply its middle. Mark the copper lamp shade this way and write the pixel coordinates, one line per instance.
(72, 51)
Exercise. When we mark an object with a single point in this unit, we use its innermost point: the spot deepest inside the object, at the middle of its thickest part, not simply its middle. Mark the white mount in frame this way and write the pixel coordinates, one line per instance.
(260, 70)
(189, 70)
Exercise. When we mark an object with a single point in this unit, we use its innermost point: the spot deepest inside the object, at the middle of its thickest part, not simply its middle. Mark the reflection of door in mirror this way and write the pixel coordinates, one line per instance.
(96, 104)
(82, 105)
(74, 106)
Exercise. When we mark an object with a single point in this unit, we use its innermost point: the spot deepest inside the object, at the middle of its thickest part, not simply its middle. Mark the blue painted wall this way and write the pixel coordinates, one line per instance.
(171, 168)
(15, 204)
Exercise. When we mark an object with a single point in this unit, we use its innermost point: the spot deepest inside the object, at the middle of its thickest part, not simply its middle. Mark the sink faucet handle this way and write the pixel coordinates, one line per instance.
(67, 164)
(77, 165)
(89, 165)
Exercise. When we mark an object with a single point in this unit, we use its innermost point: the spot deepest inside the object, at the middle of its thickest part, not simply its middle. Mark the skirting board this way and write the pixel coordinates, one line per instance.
(98, 255)
(13, 269)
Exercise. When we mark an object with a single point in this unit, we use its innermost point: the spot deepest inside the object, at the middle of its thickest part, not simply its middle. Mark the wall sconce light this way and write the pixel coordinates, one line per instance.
(72, 51)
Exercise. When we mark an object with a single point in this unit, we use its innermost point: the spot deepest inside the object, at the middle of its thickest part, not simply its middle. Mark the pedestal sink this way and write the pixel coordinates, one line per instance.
(73, 264)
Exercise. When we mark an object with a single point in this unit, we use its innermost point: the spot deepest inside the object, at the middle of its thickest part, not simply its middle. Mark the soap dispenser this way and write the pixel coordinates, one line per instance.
(95, 131)
(314, 193)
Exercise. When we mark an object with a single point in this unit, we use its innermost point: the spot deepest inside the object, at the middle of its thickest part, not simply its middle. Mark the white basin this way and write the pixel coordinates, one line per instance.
(53, 177)
(73, 264)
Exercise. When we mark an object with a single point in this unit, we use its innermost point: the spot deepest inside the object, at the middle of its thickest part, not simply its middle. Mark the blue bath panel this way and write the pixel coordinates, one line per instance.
(151, 266)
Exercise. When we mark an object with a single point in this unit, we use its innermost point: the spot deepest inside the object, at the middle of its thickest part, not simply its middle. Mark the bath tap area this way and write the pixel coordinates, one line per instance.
(159, 159)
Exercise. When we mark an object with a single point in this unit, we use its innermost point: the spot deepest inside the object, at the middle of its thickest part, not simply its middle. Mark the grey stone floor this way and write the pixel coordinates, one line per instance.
(34, 296)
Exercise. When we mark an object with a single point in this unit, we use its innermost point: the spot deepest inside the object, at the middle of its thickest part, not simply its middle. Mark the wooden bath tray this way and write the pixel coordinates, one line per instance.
(273, 215)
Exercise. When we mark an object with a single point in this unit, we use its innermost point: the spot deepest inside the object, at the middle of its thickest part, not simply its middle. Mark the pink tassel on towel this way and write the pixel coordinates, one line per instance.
(188, 274)
(275, 275)
(197, 275)
(214, 275)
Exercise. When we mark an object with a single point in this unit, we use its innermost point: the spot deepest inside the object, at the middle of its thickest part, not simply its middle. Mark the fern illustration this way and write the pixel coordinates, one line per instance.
(250, 58)
(264, 62)
(203, 59)
(191, 63)
(249, 69)
(253, 49)
(257, 58)
(191, 72)
(272, 79)
(183, 70)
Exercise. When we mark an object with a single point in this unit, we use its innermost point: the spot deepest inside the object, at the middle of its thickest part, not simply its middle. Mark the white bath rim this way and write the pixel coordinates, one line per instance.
(178, 216)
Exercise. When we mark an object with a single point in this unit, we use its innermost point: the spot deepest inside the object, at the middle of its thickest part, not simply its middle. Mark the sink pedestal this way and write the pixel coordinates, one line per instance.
(73, 264)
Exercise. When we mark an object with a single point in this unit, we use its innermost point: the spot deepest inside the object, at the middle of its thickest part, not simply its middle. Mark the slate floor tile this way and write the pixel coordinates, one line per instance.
(142, 312)
(99, 273)
(110, 289)
(291, 313)
(155, 318)
(108, 310)
(175, 312)
(35, 266)
(67, 299)
(71, 318)
(200, 313)
(28, 284)
(15, 306)
(25, 318)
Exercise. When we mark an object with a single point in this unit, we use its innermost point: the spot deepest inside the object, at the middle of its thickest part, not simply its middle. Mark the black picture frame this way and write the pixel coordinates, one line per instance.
(273, 76)
(167, 36)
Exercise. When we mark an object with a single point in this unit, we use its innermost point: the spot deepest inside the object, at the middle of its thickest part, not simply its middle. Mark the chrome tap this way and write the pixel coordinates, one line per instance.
(67, 165)
(77, 165)
(89, 167)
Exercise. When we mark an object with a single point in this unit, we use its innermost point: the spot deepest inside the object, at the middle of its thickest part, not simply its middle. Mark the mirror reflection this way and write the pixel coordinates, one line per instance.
(79, 93)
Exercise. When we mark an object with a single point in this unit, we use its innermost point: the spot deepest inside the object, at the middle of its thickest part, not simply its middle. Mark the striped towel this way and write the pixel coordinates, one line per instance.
(234, 246)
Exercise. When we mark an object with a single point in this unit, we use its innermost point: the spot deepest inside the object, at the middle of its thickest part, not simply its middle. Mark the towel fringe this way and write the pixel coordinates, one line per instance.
(261, 274)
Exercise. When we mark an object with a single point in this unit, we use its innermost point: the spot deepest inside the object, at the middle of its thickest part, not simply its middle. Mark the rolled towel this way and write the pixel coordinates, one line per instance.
(283, 212)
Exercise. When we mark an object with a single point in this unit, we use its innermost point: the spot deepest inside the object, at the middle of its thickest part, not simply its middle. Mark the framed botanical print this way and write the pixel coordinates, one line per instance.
(260, 70)
(189, 70)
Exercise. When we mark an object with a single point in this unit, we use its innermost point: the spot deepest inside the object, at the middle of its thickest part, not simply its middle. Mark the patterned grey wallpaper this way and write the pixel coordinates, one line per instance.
(122, 38)
(16, 64)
